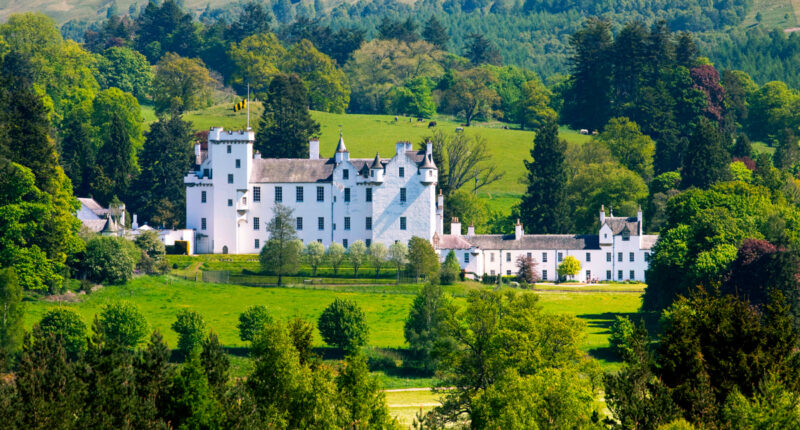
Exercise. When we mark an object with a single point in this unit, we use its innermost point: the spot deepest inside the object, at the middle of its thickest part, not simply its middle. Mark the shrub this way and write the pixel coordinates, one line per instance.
(343, 325)
(450, 269)
(190, 327)
(252, 321)
(122, 324)
(66, 325)
(110, 260)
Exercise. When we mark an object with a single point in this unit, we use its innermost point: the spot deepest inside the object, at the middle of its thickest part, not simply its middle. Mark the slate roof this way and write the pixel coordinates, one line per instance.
(618, 224)
(95, 225)
(93, 206)
(648, 240)
(528, 241)
(449, 241)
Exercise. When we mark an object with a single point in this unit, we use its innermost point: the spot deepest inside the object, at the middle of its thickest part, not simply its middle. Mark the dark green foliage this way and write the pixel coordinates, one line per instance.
(11, 315)
(120, 324)
(450, 269)
(66, 327)
(252, 321)
(543, 208)
(302, 334)
(706, 159)
(435, 33)
(150, 244)
(110, 259)
(165, 157)
(787, 153)
(126, 69)
(424, 328)
(587, 102)
(742, 147)
(215, 363)
(165, 28)
(190, 327)
(404, 31)
(281, 254)
(286, 125)
(153, 374)
(423, 262)
(253, 19)
(342, 325)
(192, 403)
(77, 151)
(479, 50)
(360, 395)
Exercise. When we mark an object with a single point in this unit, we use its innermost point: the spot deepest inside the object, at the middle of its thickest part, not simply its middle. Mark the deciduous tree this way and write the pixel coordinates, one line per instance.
(180, 84)
(423, 262)
(252, 321)
(336, 255)
(343, 325)
(356, 255)
(424, 329)
(471, 95)
(378, 256)
(314, 254)
(281, 254)
(190, 327)
(121, 324)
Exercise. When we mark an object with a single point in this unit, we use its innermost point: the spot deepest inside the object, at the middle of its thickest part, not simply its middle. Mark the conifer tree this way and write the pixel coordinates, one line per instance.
(77, 152)
(11, 315)
(115, 167)
(435, 33)
(588, 99)
(286, 124)
(216, 363)
(788, 153)
(706, 160)
(543, 208)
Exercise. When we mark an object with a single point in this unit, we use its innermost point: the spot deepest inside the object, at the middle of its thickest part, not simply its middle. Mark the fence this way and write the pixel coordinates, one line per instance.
(225, 277)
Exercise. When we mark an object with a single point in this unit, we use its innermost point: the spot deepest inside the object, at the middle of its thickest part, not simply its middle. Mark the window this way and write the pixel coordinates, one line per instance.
(588, 257)
(238, 163)
(619, 256)
(202, 196)
(560, 257)
(619, 274)
(402, 172)
(257, 243)
(298, 194)
(492, 273)
(256, 194)
(626, 235)
(244, 200)
(319, 240)
(369, 223)
(299, 223)
(402, 194)
(608, 275)
(230, 202)
(508, 256)
(207, 173)
(544, 257)
(347, 194)
(632, 275)
(229, 149)
(508, 272)
(491, 257)
(321, 223)
(344, 243)
(631, 257)
(320, 194)
(588, 275)
(368, 242)
(530, 255)
(230, 178)
(369, 194)
(544, 274)
(347, 223)
(402, 223)
(608, 256)
(345, 174)
(256, 223)
(647, 256)
(202, 223)
(278, 194)
(466, 257)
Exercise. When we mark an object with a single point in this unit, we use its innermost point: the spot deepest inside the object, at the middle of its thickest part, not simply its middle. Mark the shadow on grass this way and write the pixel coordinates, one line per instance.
(177, 356)
(605, 320)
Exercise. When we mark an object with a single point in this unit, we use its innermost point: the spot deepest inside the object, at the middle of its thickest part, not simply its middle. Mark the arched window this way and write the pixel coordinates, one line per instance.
(225, 249)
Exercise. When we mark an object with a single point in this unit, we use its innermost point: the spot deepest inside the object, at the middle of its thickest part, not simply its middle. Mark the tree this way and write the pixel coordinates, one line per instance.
(325, 83)
(588, 100)
(126, 69)
(787, 154)
(398, 255)
(150, 244)
(596, 184)
(253, 19)
(450, 270)
(533, 107)
(336, 255)
(435, 33)
(770, 110)
(479, 50)
(180, 84)
(629, 146)
(423, 261)
(378, 256)
(404, 31)
(742, 147)
(216, 363)
(166, 155)
(12, 312)
(468, 208)
(423, 329)
(256, 59)
(165, 28)
(413, 98)
(356, 254)
(462, 160)
(302, 334)
(569, 267)
(110, 259)
(313, 254)
(526, 269)
(706, 160)
(363, 403)
(190, 327)
(285, 125)
(192, 403)
(77, 150)
(66, 327)
(343, 325)
(543, 207)
(252, 321)
(121, 324)
(772, 406)
(281, 253)
(114, 174)
(471, 95)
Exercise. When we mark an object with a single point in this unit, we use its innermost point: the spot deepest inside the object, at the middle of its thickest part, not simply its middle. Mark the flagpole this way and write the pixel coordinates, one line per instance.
(248, 105)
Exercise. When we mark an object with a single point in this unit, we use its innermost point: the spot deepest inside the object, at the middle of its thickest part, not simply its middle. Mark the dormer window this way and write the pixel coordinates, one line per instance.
(626, 235)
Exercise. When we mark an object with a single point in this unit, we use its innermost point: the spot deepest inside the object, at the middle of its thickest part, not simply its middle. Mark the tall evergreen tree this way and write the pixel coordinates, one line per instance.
(480, 50)
(216, 363)
(588, 99)
(115, 168)
(77, 151)
(788, 153)
(285, 125)
(153, 373)
(11, 314)
(706, 160)
(166, 156)
(543, 208)
(435, 33)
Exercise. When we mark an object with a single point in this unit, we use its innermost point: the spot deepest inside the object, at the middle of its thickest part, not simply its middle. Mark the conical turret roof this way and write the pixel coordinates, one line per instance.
(341, 147)
(376, 163)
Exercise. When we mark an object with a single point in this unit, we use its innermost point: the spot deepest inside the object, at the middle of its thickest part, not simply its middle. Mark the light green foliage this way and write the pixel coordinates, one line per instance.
(190, 327)
(121, 323)
(192, 399)
(336, 255)
(595, 185)
(302, 334)
(772, 108)
(256, 58)
(469, 208)
(398, 255)
(424, 329)
(126, 69)
(413, 98)
(679, 424)
(378, 256)
(115, 102)
(65, 325)
(343, 326)
(281, 254)
(449, 271)
(629, 146)
(180, 84)
(11, 312)
(772, 406)
(252, 321)
(711, 265)
(150, 244)
(471, 95)
(621, 334)
(423, 262)
(356, 255)
(313, 254)
(110, 259)
(569, 267)
(360, 395)
(326, 84)
(533, 107)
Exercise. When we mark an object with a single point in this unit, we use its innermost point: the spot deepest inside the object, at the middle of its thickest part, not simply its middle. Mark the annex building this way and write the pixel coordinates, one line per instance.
(231, 192)
(618, 252)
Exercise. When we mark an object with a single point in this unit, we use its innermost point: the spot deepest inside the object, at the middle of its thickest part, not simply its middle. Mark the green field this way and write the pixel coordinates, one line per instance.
(774, 14)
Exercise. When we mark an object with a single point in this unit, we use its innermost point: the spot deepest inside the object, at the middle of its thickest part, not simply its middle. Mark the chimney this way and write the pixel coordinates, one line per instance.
(639, 218)
(440, 200)
(257, 155)
(135, 223)
(313, 149)
(409, 146)
(518, 232)
(428, 148)
(455, 227)
(197, 157)
(471, 230)
(401, 147)
(602, 214)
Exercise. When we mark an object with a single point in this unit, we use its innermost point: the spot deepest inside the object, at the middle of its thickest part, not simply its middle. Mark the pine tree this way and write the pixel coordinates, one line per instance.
(588, 100)
(216, 363)
(115, 164)
(11, 315)
(114, 401)
(77, 152)
(153, 373)
(788, 153)
(543, 208)
(706, 160)
(742, 147)
(435, 33)
(286, 125)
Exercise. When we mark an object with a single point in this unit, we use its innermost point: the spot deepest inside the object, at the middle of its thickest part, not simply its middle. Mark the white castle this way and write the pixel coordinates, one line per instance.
(231, 193)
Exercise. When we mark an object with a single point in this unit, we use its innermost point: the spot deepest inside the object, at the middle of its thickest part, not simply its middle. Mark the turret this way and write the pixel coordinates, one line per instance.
(427, 169)
(342, 154)
(376, 170)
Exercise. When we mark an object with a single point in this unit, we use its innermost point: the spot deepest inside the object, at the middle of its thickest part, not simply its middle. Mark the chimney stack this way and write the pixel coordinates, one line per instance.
(471, 230)
(313, 149)
(602, 214)
(455, 227)
(518, 231)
